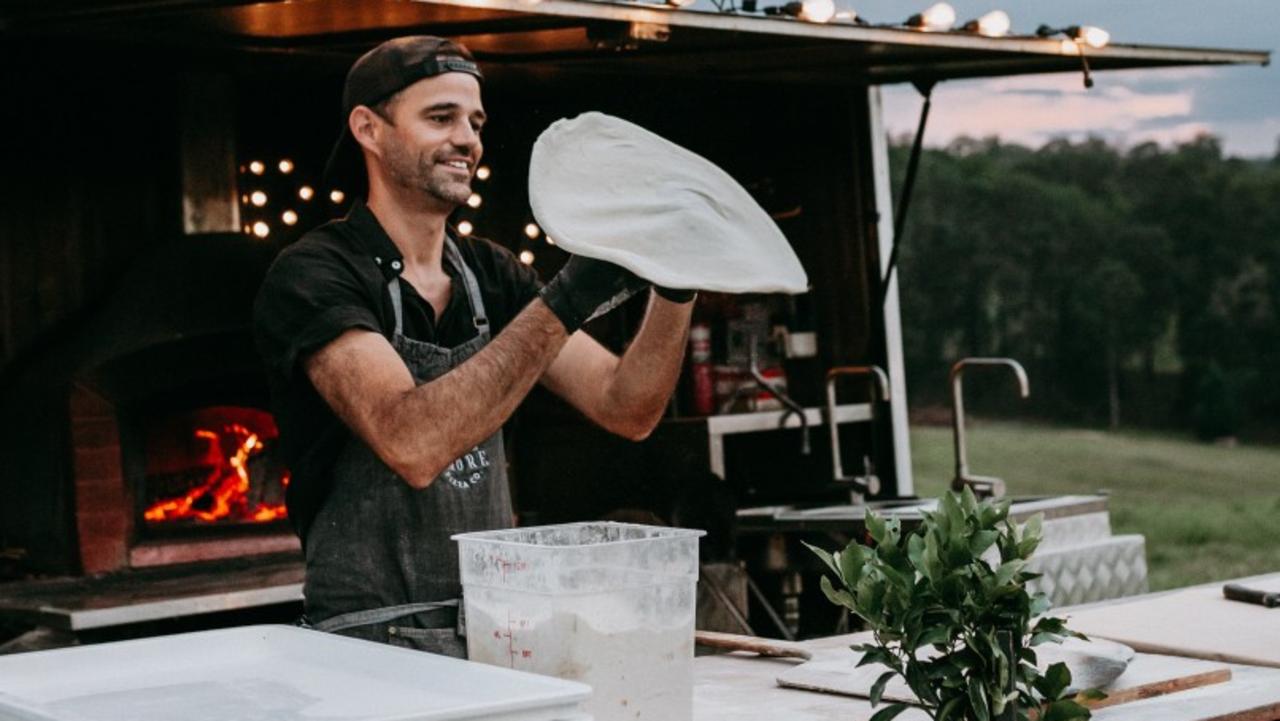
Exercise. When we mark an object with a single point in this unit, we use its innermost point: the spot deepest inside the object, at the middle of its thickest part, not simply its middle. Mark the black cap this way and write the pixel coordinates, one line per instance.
(383, 72)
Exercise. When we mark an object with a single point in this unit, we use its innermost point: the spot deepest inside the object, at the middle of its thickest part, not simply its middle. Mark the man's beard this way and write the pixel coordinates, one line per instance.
(425, 173)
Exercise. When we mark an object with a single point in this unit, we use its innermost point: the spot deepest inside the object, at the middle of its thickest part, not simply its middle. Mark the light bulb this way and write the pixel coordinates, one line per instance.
(244, 199)
(994, 24)
(846, 16)
(337, 196)
(261, 229)
(526, 257)
(465, 228)
(679, 3)
(289, 217)
(256, 167)
(1094, 37)
(474, 201)
(285, 166)
(550, 241)
(531, 230)
(940, 16)
(817, 11)
(482, 172)
(306, 192)
(258, 198)
(248, 230)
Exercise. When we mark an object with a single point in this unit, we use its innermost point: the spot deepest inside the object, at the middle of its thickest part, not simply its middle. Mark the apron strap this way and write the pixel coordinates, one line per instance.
(353, 619)
(470, 286)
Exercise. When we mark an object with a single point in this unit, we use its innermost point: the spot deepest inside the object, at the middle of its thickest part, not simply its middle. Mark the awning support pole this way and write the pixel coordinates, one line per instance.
(900, 218)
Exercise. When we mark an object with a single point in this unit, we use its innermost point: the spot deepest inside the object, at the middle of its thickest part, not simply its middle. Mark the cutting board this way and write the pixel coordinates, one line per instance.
(1196, 622)
(1147, 676)
(830, 666)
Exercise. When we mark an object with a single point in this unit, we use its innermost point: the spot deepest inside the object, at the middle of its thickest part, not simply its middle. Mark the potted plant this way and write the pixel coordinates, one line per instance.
(954, 622)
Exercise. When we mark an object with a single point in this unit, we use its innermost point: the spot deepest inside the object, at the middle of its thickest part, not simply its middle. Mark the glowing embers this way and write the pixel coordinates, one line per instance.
(213, 466)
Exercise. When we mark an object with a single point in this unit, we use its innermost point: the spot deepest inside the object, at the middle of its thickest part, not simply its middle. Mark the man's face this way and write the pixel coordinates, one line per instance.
(432, 142)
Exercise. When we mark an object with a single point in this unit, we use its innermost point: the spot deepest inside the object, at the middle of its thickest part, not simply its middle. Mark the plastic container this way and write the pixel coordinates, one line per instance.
(608, 604)
(271, 672)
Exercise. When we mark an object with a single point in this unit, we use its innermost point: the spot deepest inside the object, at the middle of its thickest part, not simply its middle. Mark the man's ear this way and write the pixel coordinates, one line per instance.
(364, 125)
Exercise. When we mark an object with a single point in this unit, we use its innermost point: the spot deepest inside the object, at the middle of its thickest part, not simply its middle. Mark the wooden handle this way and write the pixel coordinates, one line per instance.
(752, 644)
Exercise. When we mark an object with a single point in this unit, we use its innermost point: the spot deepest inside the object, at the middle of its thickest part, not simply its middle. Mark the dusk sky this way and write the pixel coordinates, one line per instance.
(1241, 105)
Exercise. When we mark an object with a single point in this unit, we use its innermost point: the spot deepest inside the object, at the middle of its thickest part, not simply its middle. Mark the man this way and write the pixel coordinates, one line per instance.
(396, 352)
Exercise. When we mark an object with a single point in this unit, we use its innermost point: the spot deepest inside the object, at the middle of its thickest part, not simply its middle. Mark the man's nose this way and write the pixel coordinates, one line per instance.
(464, 136)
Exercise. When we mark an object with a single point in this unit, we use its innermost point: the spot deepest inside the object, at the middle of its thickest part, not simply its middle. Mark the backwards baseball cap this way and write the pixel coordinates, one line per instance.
(381, 73)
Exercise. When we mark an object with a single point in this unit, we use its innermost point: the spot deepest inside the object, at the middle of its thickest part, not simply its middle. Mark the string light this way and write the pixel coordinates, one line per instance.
(337, 196)
(261, 229)
(815, 11)
(475, 200)
(248, 230)
(482, 172)
(244, 199)
(994, 24)
(258, 198)
(285, 166)
(679, 3)
(289, 217)
(257, 168)
(1093, 36)
(532, 231)
(306, 192)
(550, 241)
(940, 16)
(526, 257)
(465, 228)
(846, 16)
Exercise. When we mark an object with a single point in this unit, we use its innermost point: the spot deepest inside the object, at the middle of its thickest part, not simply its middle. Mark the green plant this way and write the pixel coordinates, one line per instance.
(960, 631)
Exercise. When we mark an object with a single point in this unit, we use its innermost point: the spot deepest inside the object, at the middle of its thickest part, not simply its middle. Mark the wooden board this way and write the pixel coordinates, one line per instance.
(1147, 676)
(1196, 622)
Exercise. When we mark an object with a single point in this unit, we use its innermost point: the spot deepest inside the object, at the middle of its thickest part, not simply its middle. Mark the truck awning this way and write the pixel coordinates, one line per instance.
(590, 36)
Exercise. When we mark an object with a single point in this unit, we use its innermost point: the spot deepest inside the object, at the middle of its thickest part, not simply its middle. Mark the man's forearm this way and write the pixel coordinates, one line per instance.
(647, 373)
(438, 421)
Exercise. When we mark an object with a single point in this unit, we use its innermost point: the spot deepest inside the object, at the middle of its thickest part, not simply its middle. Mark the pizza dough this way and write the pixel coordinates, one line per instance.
(605, 188)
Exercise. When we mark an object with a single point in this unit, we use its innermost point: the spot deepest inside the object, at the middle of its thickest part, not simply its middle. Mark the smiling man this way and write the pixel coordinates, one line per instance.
(396, 351)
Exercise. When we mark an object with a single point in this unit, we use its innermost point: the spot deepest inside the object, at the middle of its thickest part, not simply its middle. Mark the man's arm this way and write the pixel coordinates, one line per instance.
(419, 430)
(625, 395)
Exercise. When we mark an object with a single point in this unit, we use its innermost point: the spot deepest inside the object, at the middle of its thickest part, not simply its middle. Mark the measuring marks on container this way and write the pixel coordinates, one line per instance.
(515, 624)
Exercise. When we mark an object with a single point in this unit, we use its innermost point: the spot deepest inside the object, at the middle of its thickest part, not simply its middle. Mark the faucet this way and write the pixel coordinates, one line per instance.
(791, 407)
(983, 486)
(869, 482)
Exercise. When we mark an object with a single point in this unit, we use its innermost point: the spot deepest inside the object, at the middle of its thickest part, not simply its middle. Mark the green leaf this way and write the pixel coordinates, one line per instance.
(1056, 679)
(877, 655)
(838, 597)
(875, 526)
(1091, 694)
(915, 552)
(889, 712)
(978, 700)
(1065, 710)
(933, 635)
(1044, 637)
(981, 541)
(1039, 604)
(951, 706)
(1007, 571)
(877, 688)
(825, 556)
(851, 562)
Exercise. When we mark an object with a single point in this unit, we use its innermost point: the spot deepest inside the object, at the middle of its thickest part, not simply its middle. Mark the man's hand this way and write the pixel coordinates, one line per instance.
(585, 288)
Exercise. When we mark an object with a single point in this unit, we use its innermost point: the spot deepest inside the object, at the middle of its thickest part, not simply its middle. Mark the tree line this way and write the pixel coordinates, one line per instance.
(1138, 286)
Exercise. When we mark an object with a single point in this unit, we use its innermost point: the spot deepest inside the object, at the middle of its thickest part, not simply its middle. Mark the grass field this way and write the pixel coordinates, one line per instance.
(1208, 512)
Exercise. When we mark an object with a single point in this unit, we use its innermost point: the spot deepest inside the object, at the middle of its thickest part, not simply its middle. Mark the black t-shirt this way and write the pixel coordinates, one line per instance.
(334, 279)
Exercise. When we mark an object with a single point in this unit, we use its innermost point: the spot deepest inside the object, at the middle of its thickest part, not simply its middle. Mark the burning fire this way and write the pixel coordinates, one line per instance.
(224, 491)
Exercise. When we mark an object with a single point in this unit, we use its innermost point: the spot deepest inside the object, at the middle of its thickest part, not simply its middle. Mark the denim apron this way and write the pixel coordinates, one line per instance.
(380, 563)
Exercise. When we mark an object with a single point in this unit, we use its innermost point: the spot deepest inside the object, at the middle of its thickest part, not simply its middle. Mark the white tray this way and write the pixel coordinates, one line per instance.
(271, 673)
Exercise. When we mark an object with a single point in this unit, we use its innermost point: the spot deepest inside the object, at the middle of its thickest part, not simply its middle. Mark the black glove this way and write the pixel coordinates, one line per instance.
(675, 295)
(585, 288)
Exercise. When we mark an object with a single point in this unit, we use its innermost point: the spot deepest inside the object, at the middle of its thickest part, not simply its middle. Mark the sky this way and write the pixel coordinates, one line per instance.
(1240, 105)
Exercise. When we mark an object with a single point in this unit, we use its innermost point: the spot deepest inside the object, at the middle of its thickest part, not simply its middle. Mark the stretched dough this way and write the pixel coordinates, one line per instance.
(605, 188)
